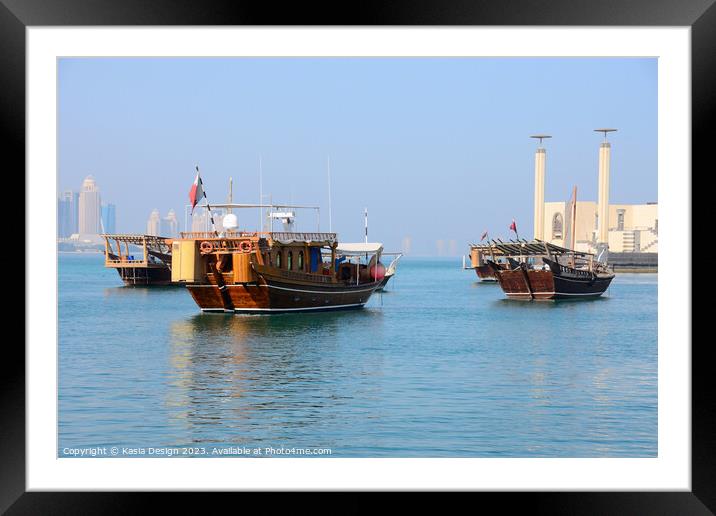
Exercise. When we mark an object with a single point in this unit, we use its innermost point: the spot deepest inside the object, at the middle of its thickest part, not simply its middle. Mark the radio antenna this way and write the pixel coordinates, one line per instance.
(540, 137)
(605, 131)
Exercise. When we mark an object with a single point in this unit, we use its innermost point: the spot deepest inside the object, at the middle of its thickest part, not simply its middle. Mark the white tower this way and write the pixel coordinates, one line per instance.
(154, 224)
(605, 150)
(540, 163)
(169, 224)
(89, 209)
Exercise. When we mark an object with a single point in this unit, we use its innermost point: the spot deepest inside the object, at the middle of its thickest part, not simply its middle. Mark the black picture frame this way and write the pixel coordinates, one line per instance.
(700, 15)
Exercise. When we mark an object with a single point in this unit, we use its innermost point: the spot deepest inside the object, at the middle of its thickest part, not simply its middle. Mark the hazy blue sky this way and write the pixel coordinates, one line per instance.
(435, 148)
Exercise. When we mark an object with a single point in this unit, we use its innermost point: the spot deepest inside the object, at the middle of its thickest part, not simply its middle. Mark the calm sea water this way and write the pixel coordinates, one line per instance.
(438, 366)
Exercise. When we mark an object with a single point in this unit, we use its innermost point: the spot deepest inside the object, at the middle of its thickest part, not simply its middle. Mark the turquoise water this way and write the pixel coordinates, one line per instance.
(438, 366)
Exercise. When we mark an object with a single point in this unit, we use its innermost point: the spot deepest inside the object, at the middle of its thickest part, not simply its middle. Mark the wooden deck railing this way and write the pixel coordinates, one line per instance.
(224, 234)
(303, 236)
(133, 263)
(126, 260)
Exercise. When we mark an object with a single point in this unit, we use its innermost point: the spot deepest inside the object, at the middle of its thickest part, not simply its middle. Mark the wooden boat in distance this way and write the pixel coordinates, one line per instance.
(540, 270)
(479, 254)
(273, 272)
(148, 266)
(485, 273)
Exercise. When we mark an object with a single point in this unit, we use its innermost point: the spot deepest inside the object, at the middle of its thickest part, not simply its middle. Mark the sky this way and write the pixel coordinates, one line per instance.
(437, 149)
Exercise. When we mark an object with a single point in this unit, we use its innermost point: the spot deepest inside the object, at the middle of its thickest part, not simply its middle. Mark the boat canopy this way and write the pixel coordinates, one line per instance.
(285, 237)
(525, 248)
(348, 248)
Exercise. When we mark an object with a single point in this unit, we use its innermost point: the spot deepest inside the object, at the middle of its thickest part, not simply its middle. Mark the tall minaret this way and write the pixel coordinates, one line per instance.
(605, 151)
(540, 161)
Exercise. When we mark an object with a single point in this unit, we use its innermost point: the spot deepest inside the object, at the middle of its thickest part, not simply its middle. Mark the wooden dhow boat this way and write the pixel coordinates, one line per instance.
(542, 271)
(479, 254)
(274, 272)
(140, 260)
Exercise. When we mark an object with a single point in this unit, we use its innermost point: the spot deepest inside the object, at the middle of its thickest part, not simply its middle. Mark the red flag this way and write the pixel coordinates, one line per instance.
(196, 192)
(513, 226)
(483, 236)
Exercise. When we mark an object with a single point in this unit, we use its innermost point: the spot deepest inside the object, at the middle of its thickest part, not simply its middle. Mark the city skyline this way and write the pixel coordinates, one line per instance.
(83, 214)
(435, 148)
(162, 226)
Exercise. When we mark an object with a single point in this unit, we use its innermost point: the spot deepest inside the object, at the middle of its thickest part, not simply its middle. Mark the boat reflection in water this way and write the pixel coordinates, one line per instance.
(155, 292)
(252, 379)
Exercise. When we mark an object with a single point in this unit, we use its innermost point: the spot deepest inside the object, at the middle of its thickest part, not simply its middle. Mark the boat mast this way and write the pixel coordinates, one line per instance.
(261, 195)
(231, 192)
(366, 225)
(574, 226)
(330, 223)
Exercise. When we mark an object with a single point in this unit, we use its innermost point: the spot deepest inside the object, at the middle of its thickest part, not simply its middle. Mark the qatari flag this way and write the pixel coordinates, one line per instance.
(513, 226)
(196, 192)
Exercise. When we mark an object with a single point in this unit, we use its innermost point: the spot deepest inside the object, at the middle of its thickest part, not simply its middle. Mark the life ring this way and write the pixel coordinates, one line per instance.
(246, 246)
(206, 247)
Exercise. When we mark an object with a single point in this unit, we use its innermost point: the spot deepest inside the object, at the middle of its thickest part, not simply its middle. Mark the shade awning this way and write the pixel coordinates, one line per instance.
(525, 248)
(359, 248)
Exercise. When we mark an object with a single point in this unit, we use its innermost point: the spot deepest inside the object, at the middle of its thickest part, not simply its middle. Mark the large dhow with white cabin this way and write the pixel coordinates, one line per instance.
(274, 271)
(245, 272)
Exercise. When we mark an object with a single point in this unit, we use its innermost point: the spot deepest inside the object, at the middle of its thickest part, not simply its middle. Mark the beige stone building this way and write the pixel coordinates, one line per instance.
(632, 227)
(624, 228)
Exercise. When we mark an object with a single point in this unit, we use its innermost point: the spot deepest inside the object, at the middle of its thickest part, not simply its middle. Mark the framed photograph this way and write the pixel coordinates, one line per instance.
(418, 250)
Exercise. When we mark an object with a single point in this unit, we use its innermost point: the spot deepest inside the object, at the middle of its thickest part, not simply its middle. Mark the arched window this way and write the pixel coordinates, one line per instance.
(278, 259)
(289, 261)
(300, 260)
(557, 225)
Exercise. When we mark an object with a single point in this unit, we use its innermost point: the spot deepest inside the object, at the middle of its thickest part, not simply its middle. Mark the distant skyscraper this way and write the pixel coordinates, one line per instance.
(199, 221)
(169, 225)
(109, 222)
(89, 208)
(218, 220)
(154, 223)
(166, 227)
(67, 211)
(407, 244)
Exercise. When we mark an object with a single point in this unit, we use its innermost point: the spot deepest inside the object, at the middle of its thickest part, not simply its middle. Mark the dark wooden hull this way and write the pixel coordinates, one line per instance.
(275, 295)
(145, 276)
(485, 273)
(546, 284)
